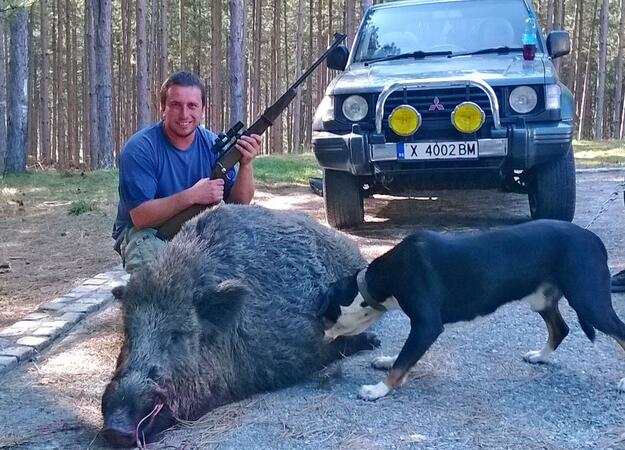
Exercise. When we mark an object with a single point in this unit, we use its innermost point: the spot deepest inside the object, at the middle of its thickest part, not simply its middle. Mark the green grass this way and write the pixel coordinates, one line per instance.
(599, 153)
(81, 206)
(52, 185)
(90, 190)
(288, 169)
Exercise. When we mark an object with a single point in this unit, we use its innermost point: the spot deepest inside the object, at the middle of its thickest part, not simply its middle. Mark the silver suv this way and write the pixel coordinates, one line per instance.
(447, 94)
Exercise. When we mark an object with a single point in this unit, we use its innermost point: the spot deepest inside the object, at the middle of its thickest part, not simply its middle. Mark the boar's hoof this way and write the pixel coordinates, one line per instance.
(372, 340)
(354, 344)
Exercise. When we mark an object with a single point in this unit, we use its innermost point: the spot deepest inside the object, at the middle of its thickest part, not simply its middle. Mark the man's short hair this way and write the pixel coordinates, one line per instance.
(182, 78)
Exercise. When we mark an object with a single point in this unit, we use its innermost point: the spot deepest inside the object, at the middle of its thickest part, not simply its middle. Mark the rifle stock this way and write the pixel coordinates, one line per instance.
(226, 143)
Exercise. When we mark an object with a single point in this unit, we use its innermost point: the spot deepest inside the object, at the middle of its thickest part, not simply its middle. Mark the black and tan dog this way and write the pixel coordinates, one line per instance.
(438, 279)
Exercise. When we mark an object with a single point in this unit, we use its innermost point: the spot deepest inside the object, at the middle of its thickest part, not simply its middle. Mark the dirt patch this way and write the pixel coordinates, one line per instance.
(45, 251)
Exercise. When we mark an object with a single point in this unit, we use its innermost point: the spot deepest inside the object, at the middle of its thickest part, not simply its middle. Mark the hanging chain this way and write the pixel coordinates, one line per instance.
(606, 204)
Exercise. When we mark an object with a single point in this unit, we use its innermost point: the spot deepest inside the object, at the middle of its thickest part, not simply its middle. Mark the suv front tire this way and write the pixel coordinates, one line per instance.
(342, 194)
(552, 189)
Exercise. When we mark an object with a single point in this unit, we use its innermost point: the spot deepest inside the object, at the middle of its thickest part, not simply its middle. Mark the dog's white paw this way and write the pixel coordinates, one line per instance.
(373, 391)
(383, 362)
(621, 385)
(535, 357)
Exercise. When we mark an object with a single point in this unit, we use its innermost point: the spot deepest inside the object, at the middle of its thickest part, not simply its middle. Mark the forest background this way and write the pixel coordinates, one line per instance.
(78, 77)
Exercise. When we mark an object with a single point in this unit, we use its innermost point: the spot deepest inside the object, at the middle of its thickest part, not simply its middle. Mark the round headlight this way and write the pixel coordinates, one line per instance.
(355, 108)
(467, 117)
(404, 120)
(523, 99)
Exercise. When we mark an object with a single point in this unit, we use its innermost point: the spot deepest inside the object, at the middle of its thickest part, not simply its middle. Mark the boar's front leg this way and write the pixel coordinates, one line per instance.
(348, 345)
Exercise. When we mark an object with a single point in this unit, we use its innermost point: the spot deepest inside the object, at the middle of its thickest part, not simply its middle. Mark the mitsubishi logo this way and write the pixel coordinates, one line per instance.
(436, 105)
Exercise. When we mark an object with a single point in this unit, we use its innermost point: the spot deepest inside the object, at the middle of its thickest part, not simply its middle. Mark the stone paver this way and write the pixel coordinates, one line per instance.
(7, 362)
(21, 352)
(38, 329)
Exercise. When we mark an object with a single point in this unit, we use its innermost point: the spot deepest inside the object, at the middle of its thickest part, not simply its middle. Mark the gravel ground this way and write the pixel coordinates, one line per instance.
(471, 390)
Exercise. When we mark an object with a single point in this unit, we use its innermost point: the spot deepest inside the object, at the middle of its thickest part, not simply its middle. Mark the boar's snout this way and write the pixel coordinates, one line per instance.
(134, 408)
(119, 430)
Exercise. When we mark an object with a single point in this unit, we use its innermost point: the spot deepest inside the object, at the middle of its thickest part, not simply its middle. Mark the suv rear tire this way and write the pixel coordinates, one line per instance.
(342, 194)
(552, 189)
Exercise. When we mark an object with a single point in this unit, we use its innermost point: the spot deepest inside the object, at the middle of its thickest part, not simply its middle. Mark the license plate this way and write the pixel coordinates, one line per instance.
(437, 150)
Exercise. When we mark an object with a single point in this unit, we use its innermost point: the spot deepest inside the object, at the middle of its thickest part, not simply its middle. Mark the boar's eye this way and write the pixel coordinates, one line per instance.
(155, 373)
(176, 338)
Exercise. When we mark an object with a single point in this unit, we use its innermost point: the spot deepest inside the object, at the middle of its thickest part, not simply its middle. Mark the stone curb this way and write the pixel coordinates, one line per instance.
(23, 340)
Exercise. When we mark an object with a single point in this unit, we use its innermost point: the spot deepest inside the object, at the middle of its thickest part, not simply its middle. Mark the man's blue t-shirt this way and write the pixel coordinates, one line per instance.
(151, 167)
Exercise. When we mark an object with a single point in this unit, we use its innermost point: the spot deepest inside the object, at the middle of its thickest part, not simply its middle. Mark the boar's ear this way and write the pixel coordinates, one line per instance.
(222, 303)
(119, 291)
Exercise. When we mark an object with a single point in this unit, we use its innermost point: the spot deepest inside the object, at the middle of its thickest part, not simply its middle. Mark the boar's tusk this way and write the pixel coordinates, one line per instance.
(140, 444)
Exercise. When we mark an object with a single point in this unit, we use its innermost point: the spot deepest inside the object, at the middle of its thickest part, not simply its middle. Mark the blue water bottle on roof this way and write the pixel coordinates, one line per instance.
(529, 39)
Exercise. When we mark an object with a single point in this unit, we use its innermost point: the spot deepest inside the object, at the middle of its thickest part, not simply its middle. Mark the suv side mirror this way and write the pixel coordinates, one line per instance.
(337, 59)
(558, 44)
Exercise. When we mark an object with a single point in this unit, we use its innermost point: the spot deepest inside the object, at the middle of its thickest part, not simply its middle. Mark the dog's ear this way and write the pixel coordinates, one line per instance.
(329, 301)
(323, 301)
(119, 291)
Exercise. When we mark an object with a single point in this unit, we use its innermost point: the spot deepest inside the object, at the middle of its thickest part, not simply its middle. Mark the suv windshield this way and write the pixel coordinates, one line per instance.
(454, 26)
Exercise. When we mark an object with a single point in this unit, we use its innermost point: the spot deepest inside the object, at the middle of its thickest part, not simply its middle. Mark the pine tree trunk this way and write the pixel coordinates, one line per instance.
(93, 97)
(102, 21)
(216, 99)
(276, 86)
(236, 48)
(603, 48)
(586, 79)
(576, 46)
(61, 103)
(72, 121)
(17, 94)
(153, 60)
(76, 96)
(349, 20)
(32, 118)
(143, 92)
(44, 90)
(558, 22)
(287, 72)
(618, 89)
(308, 98)
(297, 102)
(181, 36)
(256, 64)
(163, 65)
(3, 99)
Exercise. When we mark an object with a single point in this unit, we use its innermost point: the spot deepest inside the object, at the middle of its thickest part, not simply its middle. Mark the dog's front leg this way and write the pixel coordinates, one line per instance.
(422, 336)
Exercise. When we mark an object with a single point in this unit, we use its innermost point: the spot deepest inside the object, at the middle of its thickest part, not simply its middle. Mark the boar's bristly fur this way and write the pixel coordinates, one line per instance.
(228, 310)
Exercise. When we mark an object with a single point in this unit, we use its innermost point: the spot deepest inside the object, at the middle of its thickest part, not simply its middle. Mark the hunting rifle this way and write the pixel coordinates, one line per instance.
(225, 144)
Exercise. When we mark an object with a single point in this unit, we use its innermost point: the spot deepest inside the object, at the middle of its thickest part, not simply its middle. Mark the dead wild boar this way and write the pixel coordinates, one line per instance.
(227, 311)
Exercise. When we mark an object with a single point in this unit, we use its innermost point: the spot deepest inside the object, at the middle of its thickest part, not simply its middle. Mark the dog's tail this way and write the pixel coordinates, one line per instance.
(608, 323)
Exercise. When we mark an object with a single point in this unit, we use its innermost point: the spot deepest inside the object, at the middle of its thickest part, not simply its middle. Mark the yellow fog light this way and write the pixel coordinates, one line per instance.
(467, 117)
(404, 120)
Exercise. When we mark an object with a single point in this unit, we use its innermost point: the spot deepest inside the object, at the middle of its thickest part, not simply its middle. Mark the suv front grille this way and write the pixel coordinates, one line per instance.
(436, 122)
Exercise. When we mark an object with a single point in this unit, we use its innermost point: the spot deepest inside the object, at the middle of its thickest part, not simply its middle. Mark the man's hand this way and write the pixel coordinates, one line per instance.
(249, 146)
(207, 191)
